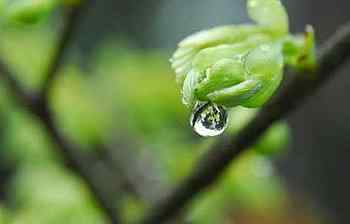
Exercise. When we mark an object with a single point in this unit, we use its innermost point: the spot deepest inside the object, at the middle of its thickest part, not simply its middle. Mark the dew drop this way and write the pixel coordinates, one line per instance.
(209, 119)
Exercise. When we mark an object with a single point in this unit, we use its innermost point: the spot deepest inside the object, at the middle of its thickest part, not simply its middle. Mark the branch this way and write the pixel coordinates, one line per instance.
(80, 164)
(212, 165)
(22, 95)
(70, 26)
(70, 151)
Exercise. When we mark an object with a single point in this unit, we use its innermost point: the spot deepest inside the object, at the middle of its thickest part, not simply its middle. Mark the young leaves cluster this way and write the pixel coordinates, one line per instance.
(242, 64)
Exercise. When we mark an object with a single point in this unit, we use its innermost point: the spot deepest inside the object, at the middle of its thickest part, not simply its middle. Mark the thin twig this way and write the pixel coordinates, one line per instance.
(43, 110)
(70, 26)
(80, 164)
(24, 96)
(227, 148)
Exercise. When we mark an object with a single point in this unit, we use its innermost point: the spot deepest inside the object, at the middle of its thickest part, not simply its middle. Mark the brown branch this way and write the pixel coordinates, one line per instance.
(333, 55)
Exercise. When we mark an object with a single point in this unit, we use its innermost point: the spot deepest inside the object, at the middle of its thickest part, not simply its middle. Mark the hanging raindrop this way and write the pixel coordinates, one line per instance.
(209, 119)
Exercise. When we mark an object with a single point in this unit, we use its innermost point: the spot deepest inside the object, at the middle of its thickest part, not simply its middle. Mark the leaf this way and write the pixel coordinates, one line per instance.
(265, 63)
(181, 60)
(222, 74)
(190, 82)
(228, 34)
(236, 94)
(299, 51)
(209, 56)
(269, 13)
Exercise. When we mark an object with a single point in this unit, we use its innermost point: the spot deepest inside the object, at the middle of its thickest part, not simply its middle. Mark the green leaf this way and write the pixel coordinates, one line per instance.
(188, 97)
(265, 63)
(236, 94)
(229, 34)
(269, 13)
(232, 34)
(209, 56)
(222, 74)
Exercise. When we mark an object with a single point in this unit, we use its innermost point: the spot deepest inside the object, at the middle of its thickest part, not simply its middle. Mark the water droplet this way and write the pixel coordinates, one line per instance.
(209, 119)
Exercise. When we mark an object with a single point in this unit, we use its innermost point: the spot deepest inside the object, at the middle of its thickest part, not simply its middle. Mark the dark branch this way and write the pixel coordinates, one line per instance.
(22, 95)
(69, 151)
(70, 26)
(79, 163)
(227, 148)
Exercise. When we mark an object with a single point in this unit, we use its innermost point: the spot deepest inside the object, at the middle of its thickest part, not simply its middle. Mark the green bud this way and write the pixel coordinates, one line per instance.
(242, 64)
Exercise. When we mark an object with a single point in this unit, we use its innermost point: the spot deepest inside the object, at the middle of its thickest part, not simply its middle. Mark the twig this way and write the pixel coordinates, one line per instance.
(80, 164)
(70, 26)
(227, 148)
(24, 96)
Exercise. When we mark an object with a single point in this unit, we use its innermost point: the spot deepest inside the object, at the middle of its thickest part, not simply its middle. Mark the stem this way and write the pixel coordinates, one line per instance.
(211, 166)
(70, 26)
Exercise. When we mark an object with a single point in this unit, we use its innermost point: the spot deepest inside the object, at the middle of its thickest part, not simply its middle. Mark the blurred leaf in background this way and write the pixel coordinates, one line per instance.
(58, 195)
(24, 12)
(4, 216)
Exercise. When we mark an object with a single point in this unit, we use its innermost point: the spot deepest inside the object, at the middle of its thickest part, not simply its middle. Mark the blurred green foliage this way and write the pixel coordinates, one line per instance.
(90, 108)
(51, 195)
(26, 12)
(249, 184)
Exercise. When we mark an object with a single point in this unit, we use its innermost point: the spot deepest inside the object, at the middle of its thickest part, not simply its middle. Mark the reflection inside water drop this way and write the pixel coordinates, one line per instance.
(209, 119)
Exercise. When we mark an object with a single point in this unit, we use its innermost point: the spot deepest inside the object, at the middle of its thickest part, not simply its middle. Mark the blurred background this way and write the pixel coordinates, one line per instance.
(116, 90)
